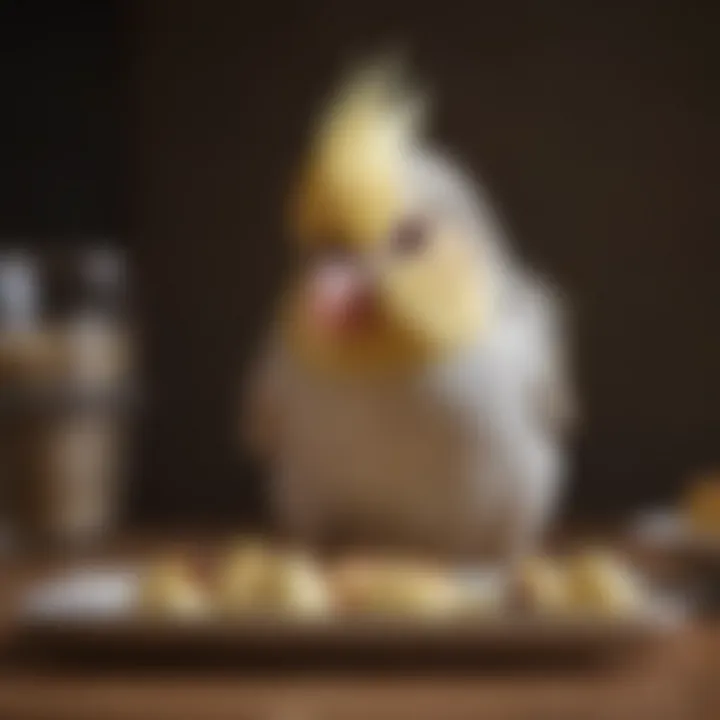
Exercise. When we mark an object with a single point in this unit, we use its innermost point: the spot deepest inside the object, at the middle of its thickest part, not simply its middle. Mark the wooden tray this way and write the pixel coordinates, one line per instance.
(110, 628)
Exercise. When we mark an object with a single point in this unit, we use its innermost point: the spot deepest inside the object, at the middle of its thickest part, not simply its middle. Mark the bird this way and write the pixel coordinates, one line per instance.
(413, 388)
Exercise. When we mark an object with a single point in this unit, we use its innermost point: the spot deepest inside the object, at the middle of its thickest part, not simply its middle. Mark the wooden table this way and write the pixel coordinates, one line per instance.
(680, 681)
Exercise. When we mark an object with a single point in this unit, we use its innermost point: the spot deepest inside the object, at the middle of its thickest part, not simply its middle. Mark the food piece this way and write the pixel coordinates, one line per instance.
(241, 577)
(540, 585)
(396, 588)
(294, 583)
(419, 592)
(601, 582)
(702, 504)
(255, 578)
(168, 588)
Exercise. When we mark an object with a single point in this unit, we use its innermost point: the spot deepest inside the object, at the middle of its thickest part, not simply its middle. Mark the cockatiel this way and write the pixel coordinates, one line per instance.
(413, 389)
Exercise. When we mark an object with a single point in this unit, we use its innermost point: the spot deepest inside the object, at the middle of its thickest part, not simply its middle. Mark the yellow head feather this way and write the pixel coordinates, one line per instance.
(351, 192)
(351, 187)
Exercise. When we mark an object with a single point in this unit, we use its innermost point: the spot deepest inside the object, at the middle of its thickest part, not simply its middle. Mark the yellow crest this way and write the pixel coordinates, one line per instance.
(351, 187)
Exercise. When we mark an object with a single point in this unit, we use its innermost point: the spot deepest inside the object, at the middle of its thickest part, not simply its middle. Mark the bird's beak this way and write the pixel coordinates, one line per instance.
(341, 298)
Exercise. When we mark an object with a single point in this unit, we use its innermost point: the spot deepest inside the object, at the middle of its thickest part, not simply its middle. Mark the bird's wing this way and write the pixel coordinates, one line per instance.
(552, 386)
(557, 394)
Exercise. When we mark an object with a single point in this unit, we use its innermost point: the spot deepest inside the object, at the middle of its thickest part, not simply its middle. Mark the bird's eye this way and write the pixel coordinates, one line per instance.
(410, 236)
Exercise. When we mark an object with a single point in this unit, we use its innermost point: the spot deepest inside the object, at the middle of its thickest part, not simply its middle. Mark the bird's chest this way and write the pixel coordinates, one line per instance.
(379, 449)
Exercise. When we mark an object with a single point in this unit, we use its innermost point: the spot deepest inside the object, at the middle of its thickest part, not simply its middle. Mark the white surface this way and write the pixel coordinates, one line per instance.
(89, 592)
(668, 530)
(661, 526)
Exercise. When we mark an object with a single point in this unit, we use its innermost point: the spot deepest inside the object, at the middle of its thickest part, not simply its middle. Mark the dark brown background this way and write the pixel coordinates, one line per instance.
(593, 124)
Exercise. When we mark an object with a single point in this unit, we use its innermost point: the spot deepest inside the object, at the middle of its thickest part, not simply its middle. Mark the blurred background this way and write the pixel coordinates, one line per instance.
(146, 148)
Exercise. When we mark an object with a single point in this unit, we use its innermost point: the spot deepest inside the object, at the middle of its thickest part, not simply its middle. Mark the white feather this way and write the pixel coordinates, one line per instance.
(466, 455)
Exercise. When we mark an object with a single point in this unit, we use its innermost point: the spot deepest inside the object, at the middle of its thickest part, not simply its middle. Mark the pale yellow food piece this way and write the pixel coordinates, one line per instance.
(295, 584)
(541, 585)
(168, 588)
(396, 588)
(702, 504)
(258, 579)
(419, 593)
(600, 582)
(242, 575)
